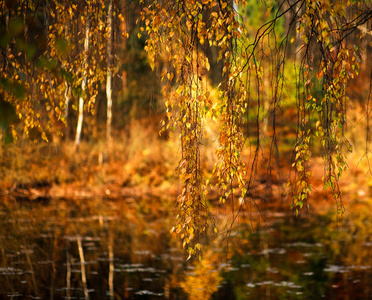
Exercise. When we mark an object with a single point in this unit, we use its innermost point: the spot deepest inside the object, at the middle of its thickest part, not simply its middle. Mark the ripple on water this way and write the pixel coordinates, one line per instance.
(150, 293)
(147, 279)
(304, 245)
(10, 271)
(288, 284)
(137, 268)
(308, 273)
(335, 269)
(14, 295)
(143, 252)
(273, 251)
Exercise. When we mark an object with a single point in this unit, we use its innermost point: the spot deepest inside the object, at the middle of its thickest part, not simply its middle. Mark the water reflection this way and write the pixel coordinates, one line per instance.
(203, 279)
(113, 250)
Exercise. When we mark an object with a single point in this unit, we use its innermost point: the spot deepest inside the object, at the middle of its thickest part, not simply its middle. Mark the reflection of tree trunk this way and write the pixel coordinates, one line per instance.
(68, 275)
(111, 268)
(345, 283)
(34, 282)
(83, 86)
(109, 73)
(52, 281)
(82, 263)
(268, 275)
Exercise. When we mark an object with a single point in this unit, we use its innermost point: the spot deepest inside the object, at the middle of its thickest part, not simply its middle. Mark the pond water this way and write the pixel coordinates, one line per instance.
(100, 249)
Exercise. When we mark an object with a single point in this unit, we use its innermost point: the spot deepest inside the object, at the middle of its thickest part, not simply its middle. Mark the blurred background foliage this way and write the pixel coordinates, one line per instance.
(41, 63)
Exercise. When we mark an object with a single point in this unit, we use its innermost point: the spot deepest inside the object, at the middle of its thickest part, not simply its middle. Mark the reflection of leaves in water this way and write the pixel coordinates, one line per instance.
(308, 258)
(202, 281)
(322, 256)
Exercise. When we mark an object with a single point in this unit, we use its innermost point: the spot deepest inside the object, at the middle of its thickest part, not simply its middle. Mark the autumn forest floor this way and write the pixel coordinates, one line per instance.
(141, 165)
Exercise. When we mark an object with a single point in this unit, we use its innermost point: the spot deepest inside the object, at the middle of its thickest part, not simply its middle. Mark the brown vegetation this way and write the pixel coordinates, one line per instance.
(142, 166)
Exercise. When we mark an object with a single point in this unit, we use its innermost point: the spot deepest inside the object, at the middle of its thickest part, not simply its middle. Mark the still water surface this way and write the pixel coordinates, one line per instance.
(95, 249)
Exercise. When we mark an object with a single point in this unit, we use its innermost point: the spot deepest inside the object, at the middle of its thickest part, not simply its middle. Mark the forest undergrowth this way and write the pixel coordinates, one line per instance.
(142, 164)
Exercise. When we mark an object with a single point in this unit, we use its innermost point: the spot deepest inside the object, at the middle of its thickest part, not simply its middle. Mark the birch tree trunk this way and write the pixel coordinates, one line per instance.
(109, 75)
(67, 101)
(83, 86)
(67, 86)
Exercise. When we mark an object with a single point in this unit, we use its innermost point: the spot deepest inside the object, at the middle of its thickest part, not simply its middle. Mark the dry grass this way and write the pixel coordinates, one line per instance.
(136, 158)
(140, 159)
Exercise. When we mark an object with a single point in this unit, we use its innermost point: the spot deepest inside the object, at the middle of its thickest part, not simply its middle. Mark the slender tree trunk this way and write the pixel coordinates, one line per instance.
(51, 97)
(83, 86)
(7, 31)
(67, 101)
(67, 86)
(109, 74)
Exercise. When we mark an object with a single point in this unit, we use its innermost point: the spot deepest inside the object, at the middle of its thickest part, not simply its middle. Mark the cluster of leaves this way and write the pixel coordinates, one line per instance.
(43, 61)
(185, 30)
(320, 28)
